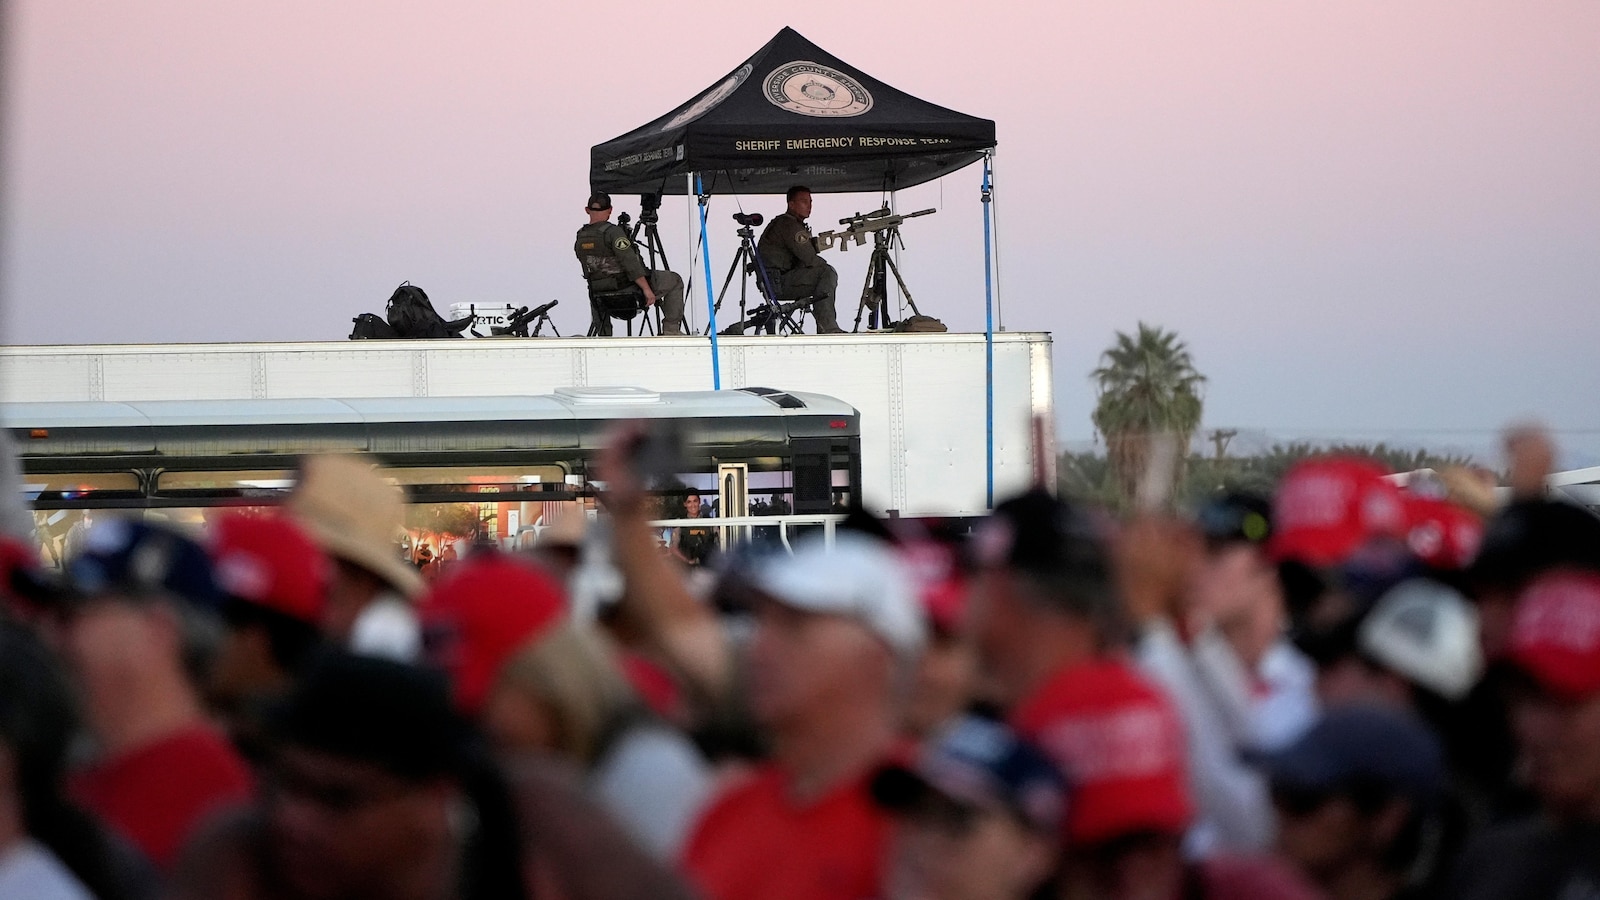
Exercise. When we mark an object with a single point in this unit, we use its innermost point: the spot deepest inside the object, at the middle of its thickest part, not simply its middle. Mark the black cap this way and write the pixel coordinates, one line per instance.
(1235, 517)
(395, 716)
(1037, 535)
(599, 200)
(1529, 537)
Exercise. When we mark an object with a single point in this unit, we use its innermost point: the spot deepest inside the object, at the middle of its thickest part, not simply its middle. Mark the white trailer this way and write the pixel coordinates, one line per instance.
(920, 396)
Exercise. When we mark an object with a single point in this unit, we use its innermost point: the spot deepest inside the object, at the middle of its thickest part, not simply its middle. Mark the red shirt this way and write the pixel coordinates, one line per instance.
(156, 793)
(755, 843)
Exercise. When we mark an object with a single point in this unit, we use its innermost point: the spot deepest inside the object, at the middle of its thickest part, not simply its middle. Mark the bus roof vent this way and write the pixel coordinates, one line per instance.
(782, 398)
(616, 394)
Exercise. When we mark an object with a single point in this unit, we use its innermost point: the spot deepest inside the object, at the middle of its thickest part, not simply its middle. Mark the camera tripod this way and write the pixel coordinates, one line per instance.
(875, 292)
(649, 217)
(770, 316)
(654, 249)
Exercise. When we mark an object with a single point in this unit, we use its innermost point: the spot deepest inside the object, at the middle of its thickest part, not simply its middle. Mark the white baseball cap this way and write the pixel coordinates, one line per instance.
(1428, 633)
(859, 576)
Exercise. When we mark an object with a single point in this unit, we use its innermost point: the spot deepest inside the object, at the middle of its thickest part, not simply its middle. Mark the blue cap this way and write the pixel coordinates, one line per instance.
(1362, 745)
(981, 763)
(137, 559)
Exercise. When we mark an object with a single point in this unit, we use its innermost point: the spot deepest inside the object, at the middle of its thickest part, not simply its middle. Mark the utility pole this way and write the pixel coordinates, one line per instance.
(1220, 438)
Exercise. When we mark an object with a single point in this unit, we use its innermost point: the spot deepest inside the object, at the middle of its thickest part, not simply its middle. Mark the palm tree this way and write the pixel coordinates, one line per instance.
(1147, 388)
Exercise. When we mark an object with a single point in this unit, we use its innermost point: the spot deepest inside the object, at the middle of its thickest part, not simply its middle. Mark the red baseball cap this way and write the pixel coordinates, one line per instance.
(1327, 508)
(1555, 633)
(271, 562)
(1121, 746)
(481, 613)
(1442, 534)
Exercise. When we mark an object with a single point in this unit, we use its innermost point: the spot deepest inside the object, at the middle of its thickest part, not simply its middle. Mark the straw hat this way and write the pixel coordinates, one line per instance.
(354, 515)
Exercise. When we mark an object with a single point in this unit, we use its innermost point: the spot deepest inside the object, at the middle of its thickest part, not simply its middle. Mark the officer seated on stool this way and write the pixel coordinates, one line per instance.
(610, 262)
(797, 269)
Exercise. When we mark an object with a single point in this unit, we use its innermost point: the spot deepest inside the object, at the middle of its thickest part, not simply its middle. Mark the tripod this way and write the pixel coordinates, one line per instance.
(649, 217)
(875, 292)
(771, 315)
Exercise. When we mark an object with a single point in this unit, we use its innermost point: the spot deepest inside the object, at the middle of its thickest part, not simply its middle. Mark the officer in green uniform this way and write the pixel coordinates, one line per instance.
(797, 269)
(610, 262)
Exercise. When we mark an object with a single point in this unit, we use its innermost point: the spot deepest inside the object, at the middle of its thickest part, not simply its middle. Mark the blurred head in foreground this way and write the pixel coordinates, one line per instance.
(1554, 651)
(365, 792)
(838, 633)
(947, 676)
(1042, 595)
(1356, 795)
(274, 581)
(356, 517)
(1049, 626)
(979, 814)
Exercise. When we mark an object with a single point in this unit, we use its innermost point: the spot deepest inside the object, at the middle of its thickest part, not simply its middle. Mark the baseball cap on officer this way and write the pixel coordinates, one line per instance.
(599, 200)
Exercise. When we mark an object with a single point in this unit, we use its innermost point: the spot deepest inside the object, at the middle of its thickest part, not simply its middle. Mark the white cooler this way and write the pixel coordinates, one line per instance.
(484, 316)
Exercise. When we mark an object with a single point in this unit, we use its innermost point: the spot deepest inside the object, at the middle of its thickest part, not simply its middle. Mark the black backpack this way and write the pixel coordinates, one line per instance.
(371, 327)
(411, 315)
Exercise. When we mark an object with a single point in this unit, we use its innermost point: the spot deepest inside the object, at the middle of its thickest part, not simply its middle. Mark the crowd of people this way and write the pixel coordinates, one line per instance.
(1352, 689)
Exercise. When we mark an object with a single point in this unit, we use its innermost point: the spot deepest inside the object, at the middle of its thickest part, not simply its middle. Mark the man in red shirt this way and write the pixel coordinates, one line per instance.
(1049, 628)
(838, 631)
(161, 768)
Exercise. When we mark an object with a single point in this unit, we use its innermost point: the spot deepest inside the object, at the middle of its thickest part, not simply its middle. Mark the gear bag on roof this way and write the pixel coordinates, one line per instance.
(411, 315)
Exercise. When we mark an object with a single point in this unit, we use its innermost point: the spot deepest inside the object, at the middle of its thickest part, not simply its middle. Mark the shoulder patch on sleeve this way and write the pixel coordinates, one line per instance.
(800, 237)
(622, 243)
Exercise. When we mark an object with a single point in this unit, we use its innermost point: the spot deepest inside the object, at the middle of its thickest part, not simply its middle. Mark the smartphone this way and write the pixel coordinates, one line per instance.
(657, 456)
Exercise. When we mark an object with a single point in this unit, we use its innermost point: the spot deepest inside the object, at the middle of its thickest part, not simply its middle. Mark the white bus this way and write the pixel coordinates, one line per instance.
(473, 468)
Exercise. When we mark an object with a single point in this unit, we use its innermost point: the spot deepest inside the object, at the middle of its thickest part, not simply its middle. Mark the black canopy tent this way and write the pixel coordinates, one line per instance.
(792, 113)
(795, 114)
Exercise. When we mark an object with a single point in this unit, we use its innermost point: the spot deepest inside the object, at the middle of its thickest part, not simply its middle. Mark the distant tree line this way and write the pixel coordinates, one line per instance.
(1148, 408)
(1087, 476)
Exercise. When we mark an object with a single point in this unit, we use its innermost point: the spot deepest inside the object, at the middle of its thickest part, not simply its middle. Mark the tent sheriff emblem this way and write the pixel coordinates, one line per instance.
(709, 99)
(814, 90)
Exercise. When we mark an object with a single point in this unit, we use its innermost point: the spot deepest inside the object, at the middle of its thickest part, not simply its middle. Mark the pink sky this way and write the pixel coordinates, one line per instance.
(1365, 217)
